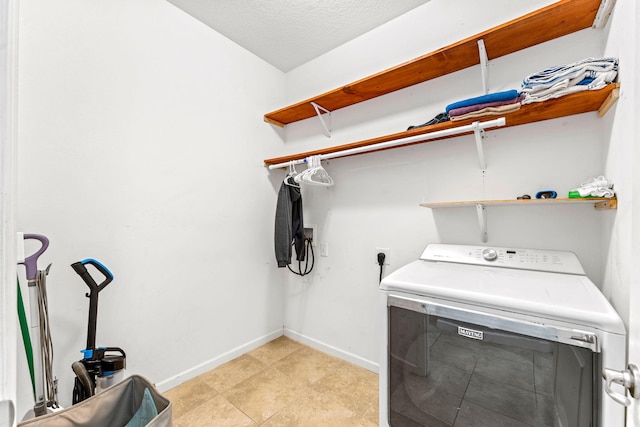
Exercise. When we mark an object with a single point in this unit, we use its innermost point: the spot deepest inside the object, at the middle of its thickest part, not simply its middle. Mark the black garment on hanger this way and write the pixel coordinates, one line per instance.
(289, 225)
(442, 117)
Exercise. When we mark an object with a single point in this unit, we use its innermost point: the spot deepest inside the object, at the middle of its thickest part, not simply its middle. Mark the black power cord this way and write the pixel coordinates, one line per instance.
(381, 257)
(308, 250)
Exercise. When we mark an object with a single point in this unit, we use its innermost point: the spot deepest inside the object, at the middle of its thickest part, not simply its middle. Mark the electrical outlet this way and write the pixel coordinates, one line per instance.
(387, 255)
(310, 233)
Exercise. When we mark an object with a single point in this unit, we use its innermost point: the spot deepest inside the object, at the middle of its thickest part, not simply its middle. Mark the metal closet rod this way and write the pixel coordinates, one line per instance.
(473, 127)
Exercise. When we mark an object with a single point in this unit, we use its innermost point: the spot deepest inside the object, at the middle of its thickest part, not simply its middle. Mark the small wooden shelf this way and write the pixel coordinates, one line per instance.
(556, 20)
(599, 203)
(575, 103)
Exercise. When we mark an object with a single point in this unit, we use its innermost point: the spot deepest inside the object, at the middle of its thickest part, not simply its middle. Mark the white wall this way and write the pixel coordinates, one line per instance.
(374, 202)
(140, 144)
(621, 158)
(8, 319)
(621, 244)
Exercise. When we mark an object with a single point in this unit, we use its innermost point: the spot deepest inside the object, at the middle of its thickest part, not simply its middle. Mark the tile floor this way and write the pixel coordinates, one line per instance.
(283, 383)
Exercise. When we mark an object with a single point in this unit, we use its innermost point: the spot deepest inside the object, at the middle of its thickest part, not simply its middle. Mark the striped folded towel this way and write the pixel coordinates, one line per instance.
(557, 81)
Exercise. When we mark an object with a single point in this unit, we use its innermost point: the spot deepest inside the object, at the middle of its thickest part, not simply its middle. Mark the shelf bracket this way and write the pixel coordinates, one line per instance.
(482, 220)
(604, 11)
(484, 65)
(318, 108)
(606, 204)
(608, 103)
(480, 135)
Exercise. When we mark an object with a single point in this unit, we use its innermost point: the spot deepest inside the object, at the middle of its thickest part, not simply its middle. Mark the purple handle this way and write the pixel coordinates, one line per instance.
(31, 262)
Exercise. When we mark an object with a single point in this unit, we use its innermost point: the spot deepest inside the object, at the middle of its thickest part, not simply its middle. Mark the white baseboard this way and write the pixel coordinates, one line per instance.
(216, 361)
(345, 355)
(251, 345)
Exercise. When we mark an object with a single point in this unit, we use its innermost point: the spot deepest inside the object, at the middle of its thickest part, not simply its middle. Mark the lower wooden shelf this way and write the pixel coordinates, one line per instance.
(598, 203)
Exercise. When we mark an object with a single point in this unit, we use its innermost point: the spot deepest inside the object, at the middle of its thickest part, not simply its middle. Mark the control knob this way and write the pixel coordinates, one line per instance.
(489, 254)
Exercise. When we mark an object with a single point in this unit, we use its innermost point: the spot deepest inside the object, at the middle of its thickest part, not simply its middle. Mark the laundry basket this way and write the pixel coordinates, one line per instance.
(134, 402)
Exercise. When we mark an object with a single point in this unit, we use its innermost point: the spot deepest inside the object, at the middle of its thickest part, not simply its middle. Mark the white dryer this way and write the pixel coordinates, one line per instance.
(478, 336)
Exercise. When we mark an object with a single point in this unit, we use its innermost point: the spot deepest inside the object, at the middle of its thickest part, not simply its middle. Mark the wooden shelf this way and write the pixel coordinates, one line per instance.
(599, 203)
(556, 20)
(575, 103)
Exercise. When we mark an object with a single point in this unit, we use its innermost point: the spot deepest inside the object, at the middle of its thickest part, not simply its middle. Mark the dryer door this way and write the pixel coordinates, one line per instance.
(448, 366)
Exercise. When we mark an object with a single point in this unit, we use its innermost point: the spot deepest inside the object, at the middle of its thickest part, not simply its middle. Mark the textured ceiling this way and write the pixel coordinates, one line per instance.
(288, 33)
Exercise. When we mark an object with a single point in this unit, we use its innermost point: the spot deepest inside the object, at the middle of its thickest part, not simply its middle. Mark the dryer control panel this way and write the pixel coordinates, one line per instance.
(518, 258)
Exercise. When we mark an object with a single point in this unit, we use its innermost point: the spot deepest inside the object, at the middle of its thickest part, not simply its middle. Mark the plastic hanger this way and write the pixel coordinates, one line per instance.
(319, 176)
(300, 177)
(290, 179)
(315, 174)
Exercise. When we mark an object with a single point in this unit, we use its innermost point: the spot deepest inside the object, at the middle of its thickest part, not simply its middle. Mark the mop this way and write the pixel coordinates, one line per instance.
(101, 367)
(26, 338)
(43, 381)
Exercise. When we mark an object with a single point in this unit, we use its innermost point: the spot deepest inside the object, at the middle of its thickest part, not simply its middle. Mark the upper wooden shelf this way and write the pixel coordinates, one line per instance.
(556, 20)
(575, 103)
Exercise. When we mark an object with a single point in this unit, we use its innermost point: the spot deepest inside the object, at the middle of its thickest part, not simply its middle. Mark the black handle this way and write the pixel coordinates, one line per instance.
(94, 289)
(82, 271)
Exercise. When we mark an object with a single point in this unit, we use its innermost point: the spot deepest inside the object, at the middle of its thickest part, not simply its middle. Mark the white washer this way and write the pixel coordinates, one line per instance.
(497, 336)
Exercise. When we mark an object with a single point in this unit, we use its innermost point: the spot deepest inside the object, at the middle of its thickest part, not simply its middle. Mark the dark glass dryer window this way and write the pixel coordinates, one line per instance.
(447, 373)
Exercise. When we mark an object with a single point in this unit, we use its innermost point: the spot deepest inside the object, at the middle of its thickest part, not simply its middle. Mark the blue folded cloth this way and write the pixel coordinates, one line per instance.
(490, 97)
(146, 412)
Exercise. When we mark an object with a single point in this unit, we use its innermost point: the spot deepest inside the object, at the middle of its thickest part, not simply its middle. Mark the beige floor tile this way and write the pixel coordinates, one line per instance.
(283, 383)
(353, 387)
(264, 394)
(188, 396)
(232, 373)
(314, 409)
(275, 350)
(364, 422)
(216, 412)
(307, 365)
